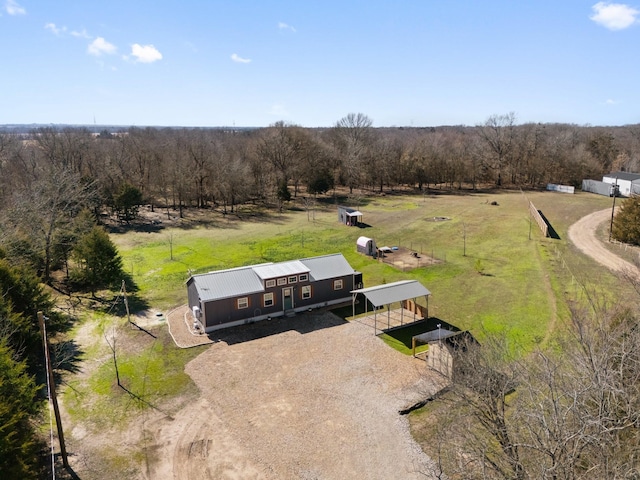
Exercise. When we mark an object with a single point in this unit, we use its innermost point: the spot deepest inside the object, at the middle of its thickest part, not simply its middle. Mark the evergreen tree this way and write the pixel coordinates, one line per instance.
(18, 405)
(126, 202)
(626, 223)
(22, 296)
(284, 194)
(98, 262)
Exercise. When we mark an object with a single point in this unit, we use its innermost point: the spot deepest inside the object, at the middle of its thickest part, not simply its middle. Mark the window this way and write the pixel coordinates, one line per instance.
(282, 281)
(306, 291)
(293, 279)
(243, 302)
(304, 277)
(270, 283)
(268, 299)
(337, 284)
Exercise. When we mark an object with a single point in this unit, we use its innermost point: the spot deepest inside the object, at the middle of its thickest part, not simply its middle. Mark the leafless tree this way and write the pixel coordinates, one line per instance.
(352, 136)
(498, 135)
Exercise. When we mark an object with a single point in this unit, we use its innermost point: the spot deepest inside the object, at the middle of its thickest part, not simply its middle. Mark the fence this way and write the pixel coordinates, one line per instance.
(535, 213)
(560, 188)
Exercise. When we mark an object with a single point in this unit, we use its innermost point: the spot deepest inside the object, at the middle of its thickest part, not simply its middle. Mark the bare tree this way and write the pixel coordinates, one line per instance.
(352, 136)
(498, 135)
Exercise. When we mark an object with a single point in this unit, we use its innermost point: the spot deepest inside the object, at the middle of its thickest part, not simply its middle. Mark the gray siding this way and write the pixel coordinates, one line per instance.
(220, 311)
(596, 186)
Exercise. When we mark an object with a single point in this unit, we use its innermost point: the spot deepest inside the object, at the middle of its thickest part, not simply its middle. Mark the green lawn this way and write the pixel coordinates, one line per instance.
(514, 292)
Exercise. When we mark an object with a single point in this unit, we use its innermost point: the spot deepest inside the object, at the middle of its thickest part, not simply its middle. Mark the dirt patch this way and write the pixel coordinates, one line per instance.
(406, 259)
(307, 397)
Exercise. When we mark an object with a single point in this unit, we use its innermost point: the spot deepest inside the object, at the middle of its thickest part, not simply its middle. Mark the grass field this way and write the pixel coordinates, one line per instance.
(497, 272)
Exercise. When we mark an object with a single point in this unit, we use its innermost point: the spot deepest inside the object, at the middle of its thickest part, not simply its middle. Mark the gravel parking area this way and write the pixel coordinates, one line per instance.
(311, 397)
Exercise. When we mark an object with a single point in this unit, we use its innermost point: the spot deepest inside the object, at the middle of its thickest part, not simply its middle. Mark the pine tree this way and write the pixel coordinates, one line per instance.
(18, 405)
(626, 223)
(98, 262)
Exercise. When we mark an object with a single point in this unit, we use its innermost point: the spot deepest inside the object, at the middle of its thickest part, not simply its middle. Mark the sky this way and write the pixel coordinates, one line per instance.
(248, 63)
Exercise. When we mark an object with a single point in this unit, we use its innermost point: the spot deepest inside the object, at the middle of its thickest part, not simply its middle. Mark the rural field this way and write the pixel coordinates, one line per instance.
(316, 396)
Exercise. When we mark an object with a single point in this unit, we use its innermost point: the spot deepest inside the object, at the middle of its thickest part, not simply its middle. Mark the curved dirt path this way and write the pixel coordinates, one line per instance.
(583, 235)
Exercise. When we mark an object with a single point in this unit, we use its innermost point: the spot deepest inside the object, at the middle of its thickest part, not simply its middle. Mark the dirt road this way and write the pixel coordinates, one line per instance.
(583, 235)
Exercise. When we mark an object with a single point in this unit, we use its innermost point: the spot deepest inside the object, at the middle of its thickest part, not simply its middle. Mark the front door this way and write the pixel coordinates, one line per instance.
(287, 298)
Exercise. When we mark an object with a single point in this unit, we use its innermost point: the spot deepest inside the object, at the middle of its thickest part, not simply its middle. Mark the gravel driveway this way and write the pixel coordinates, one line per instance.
(583, 235)
(316, 399)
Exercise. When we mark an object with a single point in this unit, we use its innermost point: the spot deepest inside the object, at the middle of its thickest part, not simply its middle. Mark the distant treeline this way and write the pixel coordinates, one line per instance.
(224, 167)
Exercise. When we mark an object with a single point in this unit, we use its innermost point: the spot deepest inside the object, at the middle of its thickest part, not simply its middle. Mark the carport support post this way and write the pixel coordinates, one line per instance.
(389, 316)
(426, 297)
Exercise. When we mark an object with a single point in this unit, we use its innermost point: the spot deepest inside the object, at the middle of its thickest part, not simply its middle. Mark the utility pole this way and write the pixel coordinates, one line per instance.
(464, 240)
(52, 390)
(615, 193)
(126, 302)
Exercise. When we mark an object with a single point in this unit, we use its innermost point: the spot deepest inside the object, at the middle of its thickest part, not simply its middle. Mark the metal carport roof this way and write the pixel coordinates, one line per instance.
(393, 292)
(389, 293)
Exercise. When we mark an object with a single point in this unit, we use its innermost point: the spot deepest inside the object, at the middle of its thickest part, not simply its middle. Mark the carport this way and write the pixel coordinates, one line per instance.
(405, 292)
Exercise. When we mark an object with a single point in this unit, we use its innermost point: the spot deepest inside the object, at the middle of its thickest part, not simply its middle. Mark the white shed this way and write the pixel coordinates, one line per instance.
(366, 245)
(623, 180)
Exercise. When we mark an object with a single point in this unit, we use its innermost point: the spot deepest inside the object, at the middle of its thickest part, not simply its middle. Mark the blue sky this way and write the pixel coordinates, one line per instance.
(311, 62)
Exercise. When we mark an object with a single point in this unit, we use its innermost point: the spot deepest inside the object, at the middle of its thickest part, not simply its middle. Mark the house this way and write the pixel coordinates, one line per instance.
(625, 181)
(235, 296)
(349, 216)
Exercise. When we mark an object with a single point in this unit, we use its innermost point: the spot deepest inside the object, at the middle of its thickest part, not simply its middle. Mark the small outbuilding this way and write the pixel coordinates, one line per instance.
(349, 216)
(444, 345)
(624, 182)
(366, 246)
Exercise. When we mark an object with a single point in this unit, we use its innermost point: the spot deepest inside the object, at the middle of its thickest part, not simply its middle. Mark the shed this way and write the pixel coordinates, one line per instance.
(349, 216)
(366, 245)
(623, 180)
(444, 345)
(598, 187)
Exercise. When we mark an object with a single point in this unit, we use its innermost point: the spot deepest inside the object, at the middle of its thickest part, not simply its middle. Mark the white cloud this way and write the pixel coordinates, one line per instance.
(55, 29)
(614, 16)
(610, 101)
(145, 53)
(12, 8)
(79, 33)
(284, 26)
(238, 59)
(100, 46)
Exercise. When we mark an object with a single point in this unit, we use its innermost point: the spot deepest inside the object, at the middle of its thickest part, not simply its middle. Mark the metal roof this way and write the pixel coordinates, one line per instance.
(355, 213)
(435, 335)
(240, 281)
(328, 266)
(227, 283)
(393, 292)
(362, 241)
(282, 269)
(622, 176)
